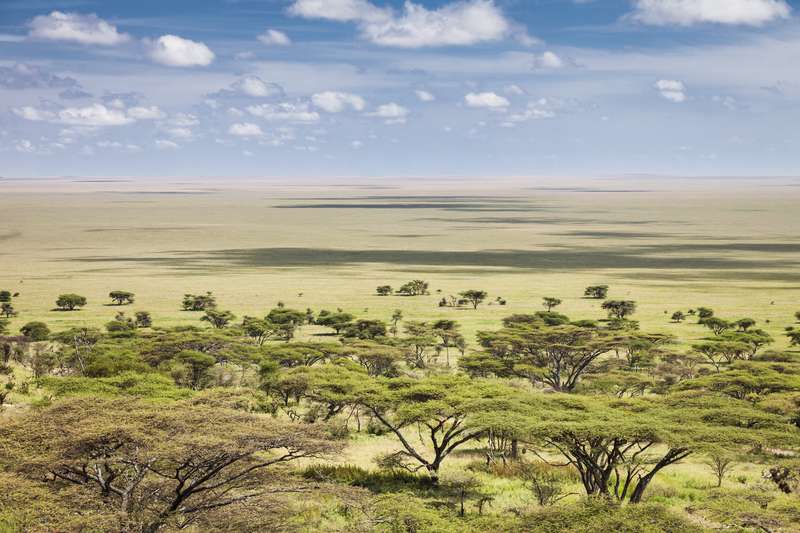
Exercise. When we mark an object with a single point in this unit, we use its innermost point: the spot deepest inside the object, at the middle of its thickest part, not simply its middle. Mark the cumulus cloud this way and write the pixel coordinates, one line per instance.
(245, 129)
(84, 29)
(537, 110)
(284, 111)
(392, 113)
(336, 102)
(256, 87)
(464, 22)
(548, 60)
(146, 113)
(274, 38)
(93, 116)
(690, 12)
(166, 144)
(488, 100)
(24, 76)
(425, 96)
(175, 51)
(672, 90)
(184, 120)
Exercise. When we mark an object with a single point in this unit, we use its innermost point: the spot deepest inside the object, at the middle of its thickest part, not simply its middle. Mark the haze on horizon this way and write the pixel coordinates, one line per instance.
(339, 89)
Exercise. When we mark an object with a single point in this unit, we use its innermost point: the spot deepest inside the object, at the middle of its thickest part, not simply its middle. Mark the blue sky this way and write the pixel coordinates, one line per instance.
(391, 89)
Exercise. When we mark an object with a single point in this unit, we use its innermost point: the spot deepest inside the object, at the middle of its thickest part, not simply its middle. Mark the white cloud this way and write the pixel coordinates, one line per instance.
(256, 87)
(392, 113)
(165, 144)
(94, 115)
(336, 102)
(183, 120)
(24, 76)
(538, 110)
(464, 22)
(425, 96)
(31, 113)
(357, 144)
(146, 113)
(274, 38)
(179, 133)
(340, 10)
(175, 51)
(84, 29)
(548, 60)
(514, 89)
(488, 99)
(24, 146)
(672, 90)
(245, 129)
(284, 111)
(689, 12)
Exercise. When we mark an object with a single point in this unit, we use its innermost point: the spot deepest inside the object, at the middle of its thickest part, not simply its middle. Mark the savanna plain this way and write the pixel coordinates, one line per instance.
(428, 356)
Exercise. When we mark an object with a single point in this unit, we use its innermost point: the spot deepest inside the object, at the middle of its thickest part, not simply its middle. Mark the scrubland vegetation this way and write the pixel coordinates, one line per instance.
(542, 423)
(460, 382)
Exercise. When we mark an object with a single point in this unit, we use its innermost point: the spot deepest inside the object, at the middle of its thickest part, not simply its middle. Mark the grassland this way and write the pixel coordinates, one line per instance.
(669, 248)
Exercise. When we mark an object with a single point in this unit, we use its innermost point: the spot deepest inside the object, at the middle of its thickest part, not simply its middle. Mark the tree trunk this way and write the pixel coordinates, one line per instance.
(514, 449)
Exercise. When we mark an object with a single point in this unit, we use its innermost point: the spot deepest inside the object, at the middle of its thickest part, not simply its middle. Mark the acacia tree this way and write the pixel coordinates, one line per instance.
(7, 310)
(619, 446)
(550, 302)
(384, 290)
(598, 292)
(199, 302)
(445, 412)
(556, 356)
(156, 467)
(475, 297)
(678, 316)
(336, 321)
(619, 309)
(218, 319)
(121, 297)
(415, 287)
(70, 302)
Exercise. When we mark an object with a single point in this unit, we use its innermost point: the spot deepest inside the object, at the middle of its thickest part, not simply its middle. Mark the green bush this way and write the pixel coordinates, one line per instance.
(596, 514)
(154, 386)
(377, 481)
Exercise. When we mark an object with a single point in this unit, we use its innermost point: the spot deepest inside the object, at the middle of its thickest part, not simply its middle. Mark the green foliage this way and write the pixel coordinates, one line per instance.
(415, 287)
(218, 319)
(70, 302)
(365, 329)
(550, 302)
(376, 481)
(143, 319)
(619, 309)
(597, 514)
(5, 296)
(384, 290)
(474, 296)
(148, 385)
(598, 292)
(36, 331)
(156, 468)
(199, 302)
(556, 356)
(121, 297)
(336, 321)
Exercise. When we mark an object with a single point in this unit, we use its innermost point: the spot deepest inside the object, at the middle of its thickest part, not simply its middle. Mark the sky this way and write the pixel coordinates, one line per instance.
(392, 89)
